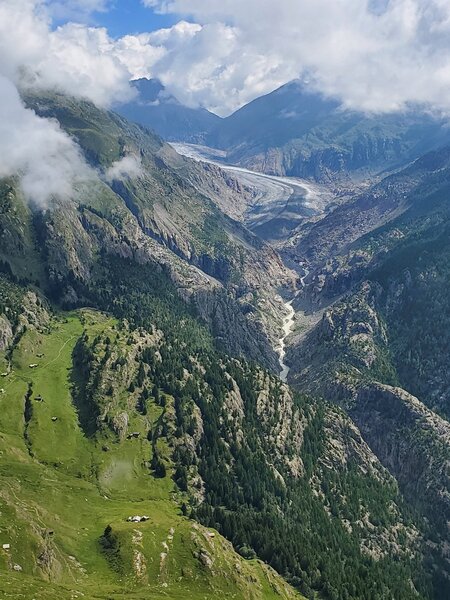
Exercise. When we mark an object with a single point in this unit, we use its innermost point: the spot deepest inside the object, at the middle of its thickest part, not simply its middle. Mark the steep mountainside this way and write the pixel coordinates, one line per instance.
(81, 454)
(381, 347)
(416, 191)
(101, 421)
(296, 132)
(158, 217)
(156, 109)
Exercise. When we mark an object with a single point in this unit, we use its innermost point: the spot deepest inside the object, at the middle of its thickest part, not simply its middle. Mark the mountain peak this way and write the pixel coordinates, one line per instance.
(152, 91)
(156, 108)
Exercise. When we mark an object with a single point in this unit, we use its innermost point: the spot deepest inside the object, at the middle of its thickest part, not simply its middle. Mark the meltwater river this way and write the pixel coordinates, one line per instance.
(274, 194)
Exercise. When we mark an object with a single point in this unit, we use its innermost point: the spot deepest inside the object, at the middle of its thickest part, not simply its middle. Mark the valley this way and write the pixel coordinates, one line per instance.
(342, 330)
(278, 207)
(233, 355)
(224, 300)
(279, 204)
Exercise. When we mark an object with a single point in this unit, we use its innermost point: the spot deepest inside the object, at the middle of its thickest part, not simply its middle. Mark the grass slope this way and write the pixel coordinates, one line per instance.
(65, 497)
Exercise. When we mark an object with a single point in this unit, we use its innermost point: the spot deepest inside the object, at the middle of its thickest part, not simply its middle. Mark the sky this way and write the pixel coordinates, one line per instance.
(120, 18)
(374, 56)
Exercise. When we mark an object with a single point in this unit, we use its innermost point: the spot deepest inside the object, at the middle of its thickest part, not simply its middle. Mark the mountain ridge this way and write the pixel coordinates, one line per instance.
(377, 345)
(308, 135)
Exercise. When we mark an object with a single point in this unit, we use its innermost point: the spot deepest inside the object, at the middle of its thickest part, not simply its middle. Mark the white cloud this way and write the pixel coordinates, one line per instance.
(200, 64)
(77, 59)
(74, 58)
(47, 160)
(376, 55)
(128, 167)
(138, 54)
(373, 54)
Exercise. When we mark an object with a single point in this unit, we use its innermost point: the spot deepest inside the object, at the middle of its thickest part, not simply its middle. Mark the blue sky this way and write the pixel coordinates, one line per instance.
(121, 17)
(130, 17)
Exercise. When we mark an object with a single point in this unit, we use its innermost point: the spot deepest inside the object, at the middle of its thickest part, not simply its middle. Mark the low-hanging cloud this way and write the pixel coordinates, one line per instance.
(45, 158)
(73, 58)
(373, 55)
(128, 167)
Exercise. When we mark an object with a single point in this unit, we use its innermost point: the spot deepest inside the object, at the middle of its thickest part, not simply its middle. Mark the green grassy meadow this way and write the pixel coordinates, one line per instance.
(60, 490)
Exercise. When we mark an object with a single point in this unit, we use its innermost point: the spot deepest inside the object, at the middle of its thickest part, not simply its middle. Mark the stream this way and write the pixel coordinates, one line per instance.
(288, 325)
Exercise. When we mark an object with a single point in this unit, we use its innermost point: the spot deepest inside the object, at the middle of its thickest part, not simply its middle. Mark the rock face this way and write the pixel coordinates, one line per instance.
(22, 310)
(35, 313)
(119, 424)
(348, 344)
(6, 332)
(226, 317)
(412, 442)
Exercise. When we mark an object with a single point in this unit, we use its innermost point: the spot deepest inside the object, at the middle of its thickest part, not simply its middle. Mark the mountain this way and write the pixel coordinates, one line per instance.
(378, 293)
(167, 217)
(114, 422)
(405, 194)
(160, 111)
(139, 378)
(72, 477)
(294, 131)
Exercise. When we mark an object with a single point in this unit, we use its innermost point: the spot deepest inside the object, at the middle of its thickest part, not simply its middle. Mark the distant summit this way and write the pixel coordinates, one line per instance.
(274, 119)
(297, 131)
(159, 110)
